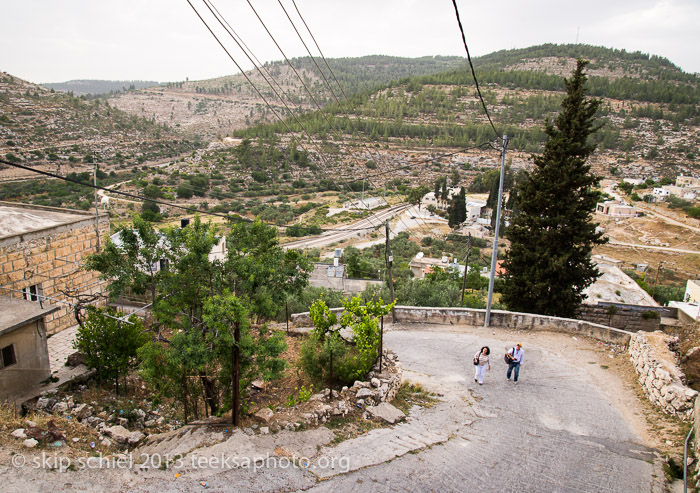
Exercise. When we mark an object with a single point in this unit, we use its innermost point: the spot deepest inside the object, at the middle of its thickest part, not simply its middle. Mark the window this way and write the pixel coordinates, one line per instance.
(7, 356)
(33, 293)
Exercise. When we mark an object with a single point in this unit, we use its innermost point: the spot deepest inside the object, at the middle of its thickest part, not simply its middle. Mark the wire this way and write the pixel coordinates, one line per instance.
(471, 65)
(170, 204)
(253, 85)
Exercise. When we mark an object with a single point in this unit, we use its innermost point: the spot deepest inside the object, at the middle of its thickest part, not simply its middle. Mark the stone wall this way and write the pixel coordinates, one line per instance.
(629, 317)
(51, 258)
(659, 375)
(499, 318)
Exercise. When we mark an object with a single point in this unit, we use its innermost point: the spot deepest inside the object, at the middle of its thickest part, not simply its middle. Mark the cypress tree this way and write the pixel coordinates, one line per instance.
(549, 261)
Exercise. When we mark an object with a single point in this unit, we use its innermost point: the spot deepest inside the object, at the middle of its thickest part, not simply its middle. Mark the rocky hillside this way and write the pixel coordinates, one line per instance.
(649, 113)
(41, 127)
(216, 107)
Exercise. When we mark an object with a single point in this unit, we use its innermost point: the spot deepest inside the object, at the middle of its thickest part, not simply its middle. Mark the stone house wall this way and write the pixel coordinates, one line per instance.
(659, 375)
(624, 317)
(51, 258)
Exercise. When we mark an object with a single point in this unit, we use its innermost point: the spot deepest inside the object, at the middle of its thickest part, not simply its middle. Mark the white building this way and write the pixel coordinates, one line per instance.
(661, 193)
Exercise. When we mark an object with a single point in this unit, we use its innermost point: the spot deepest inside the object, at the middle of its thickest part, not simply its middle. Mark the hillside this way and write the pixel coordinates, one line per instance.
(650, 113)
(216, 107)
(44, 128)
(98, 87)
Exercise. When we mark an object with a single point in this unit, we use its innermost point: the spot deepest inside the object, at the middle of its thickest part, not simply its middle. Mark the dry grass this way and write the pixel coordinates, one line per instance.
(11, 420)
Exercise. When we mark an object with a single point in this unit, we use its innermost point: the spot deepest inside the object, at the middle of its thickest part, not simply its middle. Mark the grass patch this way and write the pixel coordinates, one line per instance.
(413, 394)
(350, 426)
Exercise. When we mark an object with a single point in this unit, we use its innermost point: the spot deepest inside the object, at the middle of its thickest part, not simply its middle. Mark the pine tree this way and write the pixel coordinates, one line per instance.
(549, 262)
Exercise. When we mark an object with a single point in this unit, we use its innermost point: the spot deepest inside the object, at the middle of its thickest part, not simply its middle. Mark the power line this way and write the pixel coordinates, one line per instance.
(471, 65)
(169, 204)
(251, 83)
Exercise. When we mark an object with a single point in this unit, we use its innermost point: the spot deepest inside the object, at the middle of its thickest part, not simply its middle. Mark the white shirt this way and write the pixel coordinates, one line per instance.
(517, 354)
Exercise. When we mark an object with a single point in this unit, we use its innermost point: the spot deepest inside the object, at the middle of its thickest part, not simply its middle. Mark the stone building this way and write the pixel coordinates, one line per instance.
(24, 356)
(41, 256)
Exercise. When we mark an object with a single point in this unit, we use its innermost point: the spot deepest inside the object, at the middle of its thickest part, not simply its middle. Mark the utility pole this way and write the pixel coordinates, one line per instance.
(494, 253)
(653, 291)
(97, 217)
(389, 260)
(466, 267)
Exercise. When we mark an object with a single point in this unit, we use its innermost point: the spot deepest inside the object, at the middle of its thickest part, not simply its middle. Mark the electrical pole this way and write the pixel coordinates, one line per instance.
(389, 260)
(494, 253)
(97, 217)
(653, 291)
(466, 267)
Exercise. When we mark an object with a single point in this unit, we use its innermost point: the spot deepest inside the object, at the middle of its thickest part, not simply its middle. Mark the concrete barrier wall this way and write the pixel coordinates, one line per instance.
(499, 318)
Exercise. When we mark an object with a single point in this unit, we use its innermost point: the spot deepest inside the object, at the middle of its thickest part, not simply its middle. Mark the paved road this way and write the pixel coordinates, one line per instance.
(557, 430)
(367, 224)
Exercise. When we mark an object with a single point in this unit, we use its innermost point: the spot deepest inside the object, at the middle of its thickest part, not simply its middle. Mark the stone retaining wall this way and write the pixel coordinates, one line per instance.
(629, 318)
(661, 378)
(499, 318)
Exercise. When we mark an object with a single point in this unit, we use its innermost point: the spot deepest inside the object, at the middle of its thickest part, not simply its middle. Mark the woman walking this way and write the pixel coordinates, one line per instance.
(481, 362)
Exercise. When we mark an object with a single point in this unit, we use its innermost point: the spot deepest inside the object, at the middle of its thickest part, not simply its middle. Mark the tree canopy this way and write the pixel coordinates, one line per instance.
(549, 261)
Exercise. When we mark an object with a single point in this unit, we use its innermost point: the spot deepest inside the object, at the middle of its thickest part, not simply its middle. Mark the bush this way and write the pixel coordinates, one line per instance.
(352, 360)
(109, 345)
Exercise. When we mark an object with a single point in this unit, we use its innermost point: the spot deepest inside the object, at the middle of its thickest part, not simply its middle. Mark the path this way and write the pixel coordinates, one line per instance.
(568, 426)
(650, 247)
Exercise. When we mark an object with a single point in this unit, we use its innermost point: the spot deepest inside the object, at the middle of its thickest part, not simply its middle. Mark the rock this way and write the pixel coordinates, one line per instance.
(375, 383)
(363, 393)
(30, 443)
(30, 423)
(326, 393)
(118, 433)
(387, 412)
(135, 437)
(160, 420)
(344, 389)
(258, 384)
(42, 403)
(140, 414)
(76, 359)
(123, 422)
(248, 431)
(265, 415)
(150, 423)
(106, 442)
(54, 433)
(289, 427)
(81, 411)
(36, 433)
(264, 430)
(59, 408)
(19, 433)
(76, 440)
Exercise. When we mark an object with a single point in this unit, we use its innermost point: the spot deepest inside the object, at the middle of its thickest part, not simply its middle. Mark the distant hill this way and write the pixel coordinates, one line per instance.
(98, 87)
(650, 112)
(216, 107)
(39, 126)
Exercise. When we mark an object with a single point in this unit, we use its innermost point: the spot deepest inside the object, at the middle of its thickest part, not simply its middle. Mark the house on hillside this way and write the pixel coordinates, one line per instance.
(616, 209)
(430, 199)
(41, 256)
(687, 181)
(24, 354)
(421, 265)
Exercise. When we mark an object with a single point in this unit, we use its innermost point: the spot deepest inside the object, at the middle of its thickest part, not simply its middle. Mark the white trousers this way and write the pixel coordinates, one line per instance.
(480, 372)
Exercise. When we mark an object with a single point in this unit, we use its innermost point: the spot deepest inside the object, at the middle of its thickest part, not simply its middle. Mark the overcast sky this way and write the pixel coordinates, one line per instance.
(163, 40)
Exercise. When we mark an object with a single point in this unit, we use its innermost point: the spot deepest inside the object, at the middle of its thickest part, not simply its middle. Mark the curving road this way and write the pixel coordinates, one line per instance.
(367, 224)
(570, 425)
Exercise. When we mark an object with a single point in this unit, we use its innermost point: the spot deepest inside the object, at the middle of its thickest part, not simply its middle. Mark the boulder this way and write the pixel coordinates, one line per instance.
(123, 422)
(265, 415)
(60, 408)
(81, 411)
(30, 443)
(19, 433)
(76, 359)
(135, 437)
(42, 403)
(387, 412)
(119, 433)
(363, 393)
(375, 383)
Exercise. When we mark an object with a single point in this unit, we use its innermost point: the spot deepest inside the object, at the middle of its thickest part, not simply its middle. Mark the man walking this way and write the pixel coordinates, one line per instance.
(515, 359)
